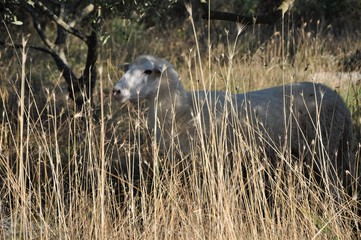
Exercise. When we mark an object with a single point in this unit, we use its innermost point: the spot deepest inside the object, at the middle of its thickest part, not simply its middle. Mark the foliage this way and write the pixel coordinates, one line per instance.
(335, 12)
(331, 10)
(148, 12)
(257, 7)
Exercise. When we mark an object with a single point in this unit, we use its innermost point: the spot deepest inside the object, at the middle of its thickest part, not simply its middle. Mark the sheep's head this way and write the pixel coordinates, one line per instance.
(141, 79)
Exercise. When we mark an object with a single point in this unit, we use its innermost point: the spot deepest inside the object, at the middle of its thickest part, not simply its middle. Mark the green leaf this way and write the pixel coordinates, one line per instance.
(31, 3)
(17, 22)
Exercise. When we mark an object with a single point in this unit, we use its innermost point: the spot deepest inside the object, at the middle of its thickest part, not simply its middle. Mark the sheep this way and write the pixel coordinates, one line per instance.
(300, 115)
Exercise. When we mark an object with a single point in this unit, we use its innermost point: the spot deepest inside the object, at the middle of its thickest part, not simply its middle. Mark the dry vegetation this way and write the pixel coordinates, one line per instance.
(96, 174)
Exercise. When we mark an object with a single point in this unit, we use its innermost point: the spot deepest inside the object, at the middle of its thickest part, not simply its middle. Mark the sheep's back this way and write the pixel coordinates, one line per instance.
(302, 113)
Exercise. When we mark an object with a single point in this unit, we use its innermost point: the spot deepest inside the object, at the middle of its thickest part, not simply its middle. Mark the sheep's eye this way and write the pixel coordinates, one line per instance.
(148, 71)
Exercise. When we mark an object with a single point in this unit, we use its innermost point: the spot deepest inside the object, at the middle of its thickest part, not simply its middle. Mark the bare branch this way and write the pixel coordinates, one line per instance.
(39, 29)
(80, 88)
(85, 12)
(68, 74)
(60, 21)
(60, 62)
(20, 46)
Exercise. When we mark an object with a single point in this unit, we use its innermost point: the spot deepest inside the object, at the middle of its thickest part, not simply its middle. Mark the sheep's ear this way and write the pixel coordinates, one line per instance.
(158, 69)
(124, 66)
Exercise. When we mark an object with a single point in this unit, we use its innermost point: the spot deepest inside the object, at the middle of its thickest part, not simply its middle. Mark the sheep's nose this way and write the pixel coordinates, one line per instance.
(121, 93)
(116, 91)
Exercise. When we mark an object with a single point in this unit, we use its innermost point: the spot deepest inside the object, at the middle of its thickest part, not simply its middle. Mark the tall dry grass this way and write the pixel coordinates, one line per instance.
(70, 175)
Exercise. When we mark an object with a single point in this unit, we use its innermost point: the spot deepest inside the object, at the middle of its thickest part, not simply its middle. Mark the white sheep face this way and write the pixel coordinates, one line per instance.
(140, 81)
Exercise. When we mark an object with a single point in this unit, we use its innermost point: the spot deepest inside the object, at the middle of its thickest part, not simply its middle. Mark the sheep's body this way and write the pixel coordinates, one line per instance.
(299, 113)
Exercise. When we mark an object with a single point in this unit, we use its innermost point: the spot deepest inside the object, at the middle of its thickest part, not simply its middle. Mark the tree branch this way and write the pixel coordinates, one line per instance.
(68, 74)
(20, 46)
(80, 88)
(84, 12)
(39, 29)
(60, 21)
(61, 63)
(263, 19)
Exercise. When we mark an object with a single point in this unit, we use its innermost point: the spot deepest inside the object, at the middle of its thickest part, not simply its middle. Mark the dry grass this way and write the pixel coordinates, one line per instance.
(68, 176)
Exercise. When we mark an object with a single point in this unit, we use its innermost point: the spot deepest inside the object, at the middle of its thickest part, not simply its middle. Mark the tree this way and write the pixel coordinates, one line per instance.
(69, 18)
(78, 18)
(82, 19)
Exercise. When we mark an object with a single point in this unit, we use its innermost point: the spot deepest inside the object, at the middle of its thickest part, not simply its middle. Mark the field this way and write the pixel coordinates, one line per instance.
(96, 174)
